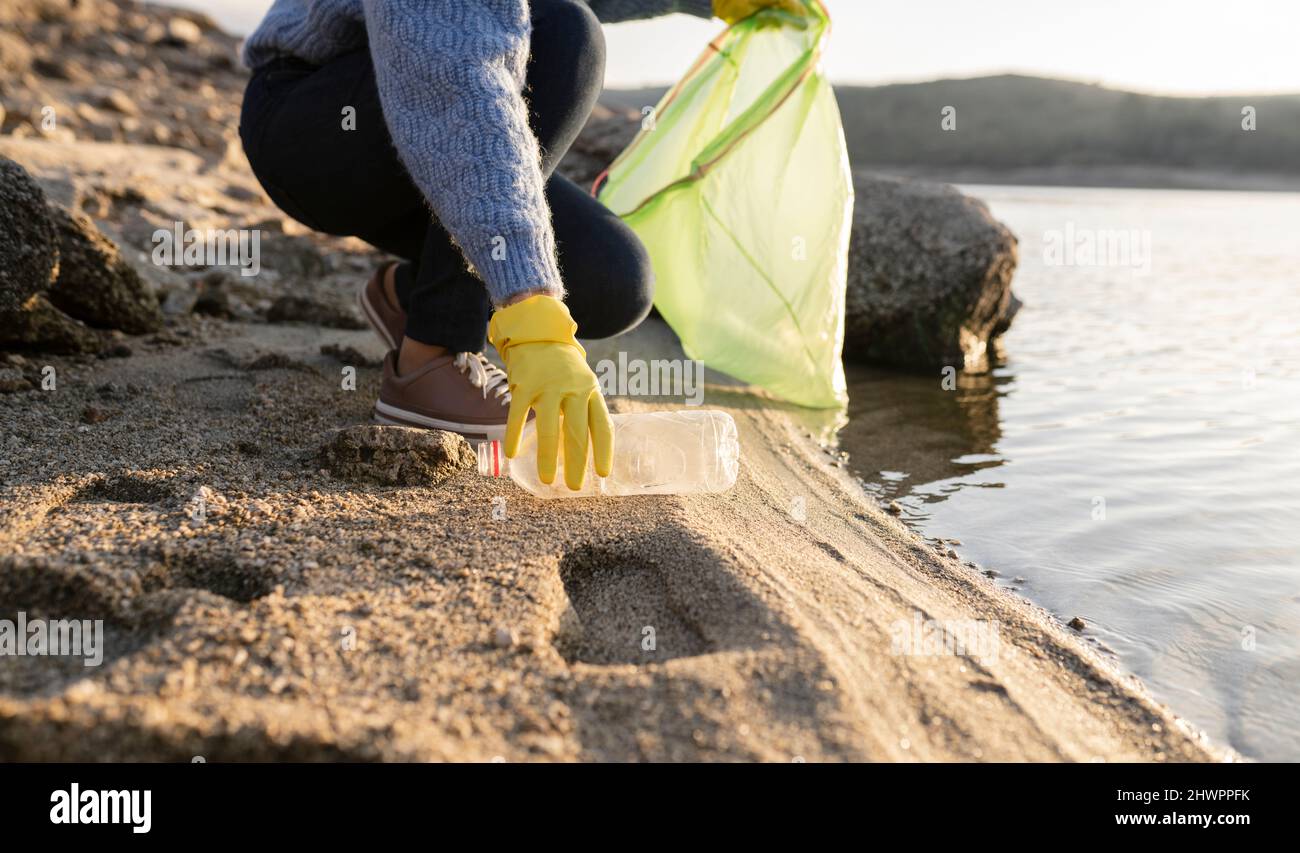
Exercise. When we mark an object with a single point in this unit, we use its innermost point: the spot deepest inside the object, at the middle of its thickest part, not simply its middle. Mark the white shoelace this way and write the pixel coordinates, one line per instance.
(484, 374)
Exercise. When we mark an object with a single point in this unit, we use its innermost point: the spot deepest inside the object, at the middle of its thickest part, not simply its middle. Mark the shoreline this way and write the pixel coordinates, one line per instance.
(476, 639)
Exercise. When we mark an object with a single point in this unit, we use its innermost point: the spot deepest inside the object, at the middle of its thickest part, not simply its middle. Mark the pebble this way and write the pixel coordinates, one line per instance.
(119, 102)
(1077, 623)
(181, 32)
(504, 638)
(94, 415)
(894, 508)
(118, 350)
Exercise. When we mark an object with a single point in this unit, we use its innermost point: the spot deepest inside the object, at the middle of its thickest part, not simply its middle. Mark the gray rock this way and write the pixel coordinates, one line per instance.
(300, 309)
(929, 276)
(13, 380)
(211, 295)
(182, 33)
(29, 253)
(41, 326)
(349, 355)
(395, 456)
(95, 284)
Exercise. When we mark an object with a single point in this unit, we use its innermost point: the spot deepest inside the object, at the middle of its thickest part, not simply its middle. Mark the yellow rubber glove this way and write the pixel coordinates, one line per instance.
(737, 10)
(548, 373)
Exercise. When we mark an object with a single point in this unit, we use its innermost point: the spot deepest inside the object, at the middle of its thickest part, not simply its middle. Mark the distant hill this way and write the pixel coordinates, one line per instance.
(1035, 126)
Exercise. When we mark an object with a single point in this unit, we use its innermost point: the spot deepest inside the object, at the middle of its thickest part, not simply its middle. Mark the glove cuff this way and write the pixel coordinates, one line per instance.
(537, 319)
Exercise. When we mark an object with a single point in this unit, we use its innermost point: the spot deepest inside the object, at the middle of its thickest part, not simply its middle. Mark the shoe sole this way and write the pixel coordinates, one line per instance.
(392, 415)
(372, 316)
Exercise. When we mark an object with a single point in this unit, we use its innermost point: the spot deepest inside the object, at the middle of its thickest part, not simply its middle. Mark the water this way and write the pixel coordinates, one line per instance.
(1174, 397)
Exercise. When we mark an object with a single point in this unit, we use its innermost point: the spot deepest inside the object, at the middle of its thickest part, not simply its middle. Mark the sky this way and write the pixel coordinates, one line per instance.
(1179, 47)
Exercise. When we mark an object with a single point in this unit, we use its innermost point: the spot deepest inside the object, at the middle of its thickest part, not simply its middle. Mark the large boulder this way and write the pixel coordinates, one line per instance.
(929, 276)
(29, 253)
(95, 284)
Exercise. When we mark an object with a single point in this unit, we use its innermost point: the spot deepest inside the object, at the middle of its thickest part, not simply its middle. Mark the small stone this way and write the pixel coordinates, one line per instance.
(212, 297)
(181, 33)
(94, 415)
(299, 309)
(991, 573)
(952, 555)
(349, 355)
(894, 508)
(504, 638)
(276, 361)
(1077, 623)
(119, 102)
(13, 380)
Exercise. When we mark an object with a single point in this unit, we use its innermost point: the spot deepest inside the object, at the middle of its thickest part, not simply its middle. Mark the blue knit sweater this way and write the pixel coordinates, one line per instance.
(451, 77)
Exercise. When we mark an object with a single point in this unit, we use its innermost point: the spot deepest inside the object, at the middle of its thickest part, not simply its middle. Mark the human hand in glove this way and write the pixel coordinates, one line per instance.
(736, 10)
(548, 373)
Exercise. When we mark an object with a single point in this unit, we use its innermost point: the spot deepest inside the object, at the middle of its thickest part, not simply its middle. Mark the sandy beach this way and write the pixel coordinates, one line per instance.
(311, 618)
(261, 603)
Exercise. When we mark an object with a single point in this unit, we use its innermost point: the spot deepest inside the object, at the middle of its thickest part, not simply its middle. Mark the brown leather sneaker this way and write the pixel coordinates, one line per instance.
(388, 320)
(462, 393)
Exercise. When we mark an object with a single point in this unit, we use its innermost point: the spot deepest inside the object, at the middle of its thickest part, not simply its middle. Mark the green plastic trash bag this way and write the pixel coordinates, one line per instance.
(739, 186)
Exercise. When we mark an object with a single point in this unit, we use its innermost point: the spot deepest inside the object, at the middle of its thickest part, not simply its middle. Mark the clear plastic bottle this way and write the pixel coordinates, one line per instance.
(655, 453)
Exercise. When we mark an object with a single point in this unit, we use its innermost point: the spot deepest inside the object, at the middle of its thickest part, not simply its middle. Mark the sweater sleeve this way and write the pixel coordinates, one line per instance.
(613, 11)
(450, 75)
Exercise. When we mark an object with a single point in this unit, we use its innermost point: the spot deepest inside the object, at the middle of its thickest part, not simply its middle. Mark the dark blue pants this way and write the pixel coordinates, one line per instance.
(350, 182)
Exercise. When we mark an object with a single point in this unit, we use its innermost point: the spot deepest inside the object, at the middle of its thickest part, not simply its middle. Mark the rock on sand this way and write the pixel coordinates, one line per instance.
(395, 455)
(28, 244)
